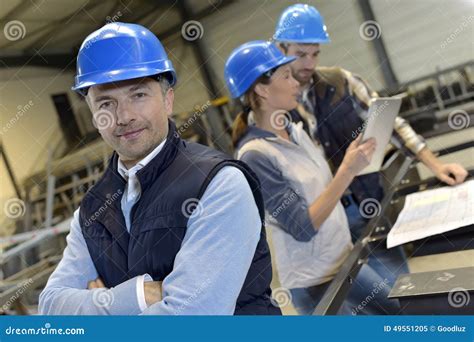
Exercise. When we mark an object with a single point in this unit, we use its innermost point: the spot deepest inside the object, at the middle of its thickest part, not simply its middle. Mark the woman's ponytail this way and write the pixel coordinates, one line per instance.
(240, 126)
(250, 102)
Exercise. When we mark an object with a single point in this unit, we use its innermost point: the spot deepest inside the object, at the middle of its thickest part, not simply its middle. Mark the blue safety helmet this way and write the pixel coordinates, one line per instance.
(250, 61)
(301, 24)
(118, 52)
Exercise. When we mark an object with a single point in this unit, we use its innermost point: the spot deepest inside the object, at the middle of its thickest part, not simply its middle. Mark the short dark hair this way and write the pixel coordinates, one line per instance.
(164, 83)
(284, 47)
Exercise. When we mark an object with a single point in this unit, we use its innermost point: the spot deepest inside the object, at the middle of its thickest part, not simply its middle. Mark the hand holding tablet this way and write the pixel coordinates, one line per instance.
(379, 125)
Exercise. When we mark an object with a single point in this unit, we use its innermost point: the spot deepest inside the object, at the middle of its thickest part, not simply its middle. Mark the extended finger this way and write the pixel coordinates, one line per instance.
(459, 175)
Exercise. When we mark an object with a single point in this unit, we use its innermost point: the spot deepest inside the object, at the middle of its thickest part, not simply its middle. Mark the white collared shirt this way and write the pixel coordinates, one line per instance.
(132, 189)
(131, 195)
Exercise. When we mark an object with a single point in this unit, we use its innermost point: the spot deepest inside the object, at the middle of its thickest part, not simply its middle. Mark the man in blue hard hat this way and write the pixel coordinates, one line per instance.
(333, 105)
(171, 227)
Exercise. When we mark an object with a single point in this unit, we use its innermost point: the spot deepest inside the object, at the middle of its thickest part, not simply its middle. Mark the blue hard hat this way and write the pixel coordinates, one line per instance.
(118, 52)
(250, 61)
(301, 24)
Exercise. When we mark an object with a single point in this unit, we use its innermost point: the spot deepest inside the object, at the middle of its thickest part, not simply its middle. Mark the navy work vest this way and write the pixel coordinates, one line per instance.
(181, 171)
(337, 118)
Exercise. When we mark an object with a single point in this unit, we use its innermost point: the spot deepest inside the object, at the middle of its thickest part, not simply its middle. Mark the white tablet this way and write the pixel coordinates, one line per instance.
(379, 125)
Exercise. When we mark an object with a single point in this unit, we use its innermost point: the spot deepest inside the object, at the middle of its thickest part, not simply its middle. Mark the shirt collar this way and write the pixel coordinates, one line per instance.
(305, 91)
(124, 172)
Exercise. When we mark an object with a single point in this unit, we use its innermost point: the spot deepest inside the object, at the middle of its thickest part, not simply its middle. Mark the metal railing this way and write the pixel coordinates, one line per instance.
(342, 282)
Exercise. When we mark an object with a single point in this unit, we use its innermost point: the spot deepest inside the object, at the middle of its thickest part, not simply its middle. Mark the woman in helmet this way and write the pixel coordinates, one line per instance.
(311, 237)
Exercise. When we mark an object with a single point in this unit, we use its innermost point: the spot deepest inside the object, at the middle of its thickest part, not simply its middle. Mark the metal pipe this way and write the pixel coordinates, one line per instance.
(340, 285)
(10, 171)
(381, 52)
(220, 137)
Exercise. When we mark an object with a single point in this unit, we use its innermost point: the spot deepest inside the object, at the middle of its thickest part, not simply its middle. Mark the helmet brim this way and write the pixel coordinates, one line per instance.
(86, 81)
(247, 83)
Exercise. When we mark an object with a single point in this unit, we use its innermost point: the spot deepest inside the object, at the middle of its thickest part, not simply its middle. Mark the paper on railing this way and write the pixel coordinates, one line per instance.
(432, 212)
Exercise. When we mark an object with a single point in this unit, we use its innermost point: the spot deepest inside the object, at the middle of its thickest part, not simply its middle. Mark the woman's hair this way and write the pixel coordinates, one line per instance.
(250, 100)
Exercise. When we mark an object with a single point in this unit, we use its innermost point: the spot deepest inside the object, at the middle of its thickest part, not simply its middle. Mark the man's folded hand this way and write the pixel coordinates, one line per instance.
(95, 284)
(152, 292)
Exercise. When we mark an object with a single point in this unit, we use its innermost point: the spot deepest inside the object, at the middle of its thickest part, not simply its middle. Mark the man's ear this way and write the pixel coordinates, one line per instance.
(89, 104)
(262, 90)
(283, 47)
(169, 101)
(94, 122)
(88, 101)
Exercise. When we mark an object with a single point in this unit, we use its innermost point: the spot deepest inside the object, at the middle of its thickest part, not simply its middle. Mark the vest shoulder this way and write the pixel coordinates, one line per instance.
(196, 162)
(195, 152)
(332, 75)
(256, 145)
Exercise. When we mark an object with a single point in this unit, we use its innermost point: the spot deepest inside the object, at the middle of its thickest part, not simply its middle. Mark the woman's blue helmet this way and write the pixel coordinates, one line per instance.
(250, 61)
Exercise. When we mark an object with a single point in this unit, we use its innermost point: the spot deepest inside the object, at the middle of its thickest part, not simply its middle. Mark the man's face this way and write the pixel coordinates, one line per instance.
(307, 59)
(131, 116)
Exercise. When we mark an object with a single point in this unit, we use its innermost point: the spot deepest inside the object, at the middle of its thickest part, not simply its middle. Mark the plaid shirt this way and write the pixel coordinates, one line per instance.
(360, 90)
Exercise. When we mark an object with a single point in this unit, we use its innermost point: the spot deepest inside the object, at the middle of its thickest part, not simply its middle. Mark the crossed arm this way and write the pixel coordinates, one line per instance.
(208, 273)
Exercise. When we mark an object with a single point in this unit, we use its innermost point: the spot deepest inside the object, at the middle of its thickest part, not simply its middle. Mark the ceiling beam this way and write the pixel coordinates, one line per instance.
(196, 16)
(57, 60)
(63, 60)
